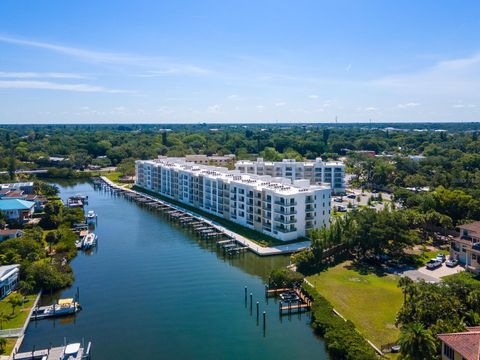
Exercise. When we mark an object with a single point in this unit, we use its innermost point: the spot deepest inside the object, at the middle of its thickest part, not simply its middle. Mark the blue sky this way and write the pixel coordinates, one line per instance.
(239, 61)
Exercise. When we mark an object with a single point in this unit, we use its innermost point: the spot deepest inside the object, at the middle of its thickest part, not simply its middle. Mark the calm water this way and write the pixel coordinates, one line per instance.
(152, 291)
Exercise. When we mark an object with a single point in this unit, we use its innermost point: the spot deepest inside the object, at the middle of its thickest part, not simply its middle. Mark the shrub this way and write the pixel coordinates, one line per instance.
(284, 277)
(342, 340)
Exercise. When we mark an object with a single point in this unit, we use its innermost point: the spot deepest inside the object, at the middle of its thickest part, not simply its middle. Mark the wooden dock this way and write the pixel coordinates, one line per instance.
(203, 229)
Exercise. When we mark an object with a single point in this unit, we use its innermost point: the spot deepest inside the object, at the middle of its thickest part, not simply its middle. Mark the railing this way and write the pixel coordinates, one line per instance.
(283, 230)
(285, 221)
(285, 211)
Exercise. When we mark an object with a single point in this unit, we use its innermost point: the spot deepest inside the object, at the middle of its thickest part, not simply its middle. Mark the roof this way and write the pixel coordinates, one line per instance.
(466, 343)
(7, 270)
(7, 232)
(14, 194)
(16, 204)
(473, 227)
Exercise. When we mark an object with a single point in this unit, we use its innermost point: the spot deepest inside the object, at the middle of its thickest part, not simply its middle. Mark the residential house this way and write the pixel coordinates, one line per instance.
(466, 247)
(26, 187)
(17, 210)
(10, 234)
(8, 279)
(461, 346)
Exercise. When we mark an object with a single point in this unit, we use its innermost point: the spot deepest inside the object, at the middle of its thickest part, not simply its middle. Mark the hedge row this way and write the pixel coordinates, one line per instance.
(343, 342)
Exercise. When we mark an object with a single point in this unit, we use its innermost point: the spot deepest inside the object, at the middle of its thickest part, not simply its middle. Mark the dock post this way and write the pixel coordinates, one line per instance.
(280, 307)
(257, 310)
(251, 303)
(266, 290)
(264, 322)
(245, 296)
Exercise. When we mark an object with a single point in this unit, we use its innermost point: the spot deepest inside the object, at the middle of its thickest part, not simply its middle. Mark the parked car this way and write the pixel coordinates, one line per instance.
(451, 263)
(351, 196)
(337, 199)
(341, 208)
(433, 264)
(441, 257)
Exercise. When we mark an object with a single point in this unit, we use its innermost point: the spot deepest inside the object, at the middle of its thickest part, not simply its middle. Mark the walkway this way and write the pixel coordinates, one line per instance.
(252, 246)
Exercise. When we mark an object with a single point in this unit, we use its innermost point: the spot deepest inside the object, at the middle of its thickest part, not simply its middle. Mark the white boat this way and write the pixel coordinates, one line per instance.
(91, 217)
(62, 308)
(89, 241)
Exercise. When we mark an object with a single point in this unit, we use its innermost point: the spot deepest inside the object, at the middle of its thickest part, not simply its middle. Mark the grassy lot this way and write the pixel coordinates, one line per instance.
(17, 319)
(256, 236)
(9, 347)
(370, 301)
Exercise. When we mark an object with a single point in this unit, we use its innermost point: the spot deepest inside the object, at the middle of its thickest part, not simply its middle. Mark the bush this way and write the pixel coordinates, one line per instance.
(284, 277)
(342, 340)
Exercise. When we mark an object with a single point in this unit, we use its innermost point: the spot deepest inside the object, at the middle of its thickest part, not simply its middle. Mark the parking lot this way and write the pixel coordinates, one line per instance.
(360, 199)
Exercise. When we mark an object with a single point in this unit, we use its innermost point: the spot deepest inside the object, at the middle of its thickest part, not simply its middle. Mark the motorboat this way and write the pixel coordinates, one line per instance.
(62, 308)
(289, 296)
(89, 241)
(91, 217)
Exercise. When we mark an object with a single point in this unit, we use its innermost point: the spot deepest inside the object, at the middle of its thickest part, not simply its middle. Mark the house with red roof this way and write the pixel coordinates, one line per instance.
(461, 346)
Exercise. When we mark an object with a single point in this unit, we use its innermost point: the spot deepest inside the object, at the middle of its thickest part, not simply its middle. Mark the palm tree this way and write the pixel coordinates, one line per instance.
(417, 343)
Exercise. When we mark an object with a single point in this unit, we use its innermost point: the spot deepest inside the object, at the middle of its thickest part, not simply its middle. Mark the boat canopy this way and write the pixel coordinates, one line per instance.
(65, 301)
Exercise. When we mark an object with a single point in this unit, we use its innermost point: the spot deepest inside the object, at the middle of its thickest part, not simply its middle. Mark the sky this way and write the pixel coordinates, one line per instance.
(221, 61)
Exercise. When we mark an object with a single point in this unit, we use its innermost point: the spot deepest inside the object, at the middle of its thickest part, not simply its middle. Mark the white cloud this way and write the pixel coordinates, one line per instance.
(463, 106)
(450, 77)
(41, 75)
(313, 96)
(160, 65)
(408, 105)
(370, 108)
(279, 104)
(214, 109)
(47, 85)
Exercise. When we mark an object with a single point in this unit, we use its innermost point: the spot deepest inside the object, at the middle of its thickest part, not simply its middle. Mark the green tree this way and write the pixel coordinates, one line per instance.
(15, 300)
(417, 343)
(3, 318)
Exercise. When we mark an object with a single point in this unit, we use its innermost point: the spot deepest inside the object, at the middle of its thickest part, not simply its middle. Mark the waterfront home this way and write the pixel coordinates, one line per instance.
(10, 234)
(8, 279)
(317, 171)
(17, 210)
(461, 346)
(221, 160)
(282, 208)
(26, 187)
(466, 247)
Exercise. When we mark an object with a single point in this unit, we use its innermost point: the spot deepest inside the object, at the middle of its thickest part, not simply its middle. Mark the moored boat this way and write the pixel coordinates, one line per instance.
(89, 241)
(91, 217)
(62, 308)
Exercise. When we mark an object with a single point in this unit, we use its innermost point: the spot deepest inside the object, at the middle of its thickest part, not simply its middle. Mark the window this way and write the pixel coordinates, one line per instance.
(448, 352)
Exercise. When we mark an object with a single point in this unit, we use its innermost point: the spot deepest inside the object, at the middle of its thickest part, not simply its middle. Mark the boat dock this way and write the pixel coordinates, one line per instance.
(67, 352)
(204, 228)
(303, 304)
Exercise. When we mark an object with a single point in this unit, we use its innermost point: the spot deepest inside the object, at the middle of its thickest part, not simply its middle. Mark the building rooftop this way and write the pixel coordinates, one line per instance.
(473, 227)
(7, 270)
(7, 232)
(15, 204)
(291, 161)
(280, 185)
(466, 343)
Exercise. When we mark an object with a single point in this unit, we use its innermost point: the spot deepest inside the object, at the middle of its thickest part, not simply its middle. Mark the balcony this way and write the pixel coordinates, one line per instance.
(291, 203)
(285, 211)
(285, 221)
(284, 230)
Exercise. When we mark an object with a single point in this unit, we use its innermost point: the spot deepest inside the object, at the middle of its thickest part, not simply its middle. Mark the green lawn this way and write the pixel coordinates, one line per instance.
(9, 347)
(17, 319)
(370, 301)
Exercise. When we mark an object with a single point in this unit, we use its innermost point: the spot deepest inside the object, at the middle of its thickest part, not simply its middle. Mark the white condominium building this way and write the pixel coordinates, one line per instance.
(316, 171)
(281, 208)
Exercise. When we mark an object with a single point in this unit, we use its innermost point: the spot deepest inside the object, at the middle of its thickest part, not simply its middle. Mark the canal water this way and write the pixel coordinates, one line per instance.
(150, 290)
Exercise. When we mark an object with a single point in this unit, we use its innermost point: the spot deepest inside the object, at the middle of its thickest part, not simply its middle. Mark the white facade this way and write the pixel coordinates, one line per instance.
(281, 208)
(317, 172)
(8, 279)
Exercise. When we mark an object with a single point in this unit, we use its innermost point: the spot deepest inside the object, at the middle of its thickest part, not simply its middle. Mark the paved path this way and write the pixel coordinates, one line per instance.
(253, 246)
